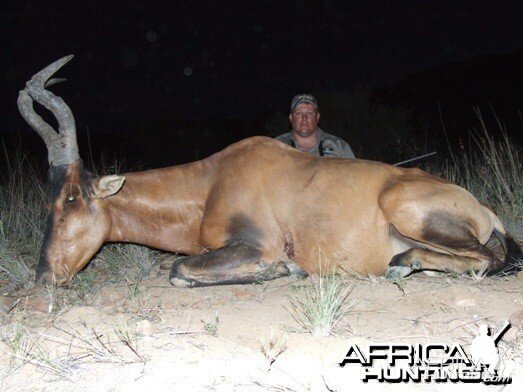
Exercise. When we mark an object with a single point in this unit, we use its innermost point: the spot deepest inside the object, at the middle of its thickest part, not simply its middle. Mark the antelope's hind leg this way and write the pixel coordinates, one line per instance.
(235, 263)
(415, 259)
(461, 251)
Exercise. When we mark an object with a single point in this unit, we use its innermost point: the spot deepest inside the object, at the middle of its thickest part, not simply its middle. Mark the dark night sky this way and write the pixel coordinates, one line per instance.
(140, 60)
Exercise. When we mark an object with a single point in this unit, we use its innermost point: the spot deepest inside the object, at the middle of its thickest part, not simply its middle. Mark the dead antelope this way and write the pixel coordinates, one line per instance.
(258, 210)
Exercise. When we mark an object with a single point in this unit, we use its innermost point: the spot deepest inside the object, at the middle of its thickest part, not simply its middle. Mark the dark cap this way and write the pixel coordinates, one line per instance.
(304, 98)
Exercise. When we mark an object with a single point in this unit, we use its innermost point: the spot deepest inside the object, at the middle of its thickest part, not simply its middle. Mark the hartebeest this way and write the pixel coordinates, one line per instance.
(258, 210)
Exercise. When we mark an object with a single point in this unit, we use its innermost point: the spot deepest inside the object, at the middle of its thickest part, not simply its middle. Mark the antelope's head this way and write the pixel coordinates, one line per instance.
(78, 222)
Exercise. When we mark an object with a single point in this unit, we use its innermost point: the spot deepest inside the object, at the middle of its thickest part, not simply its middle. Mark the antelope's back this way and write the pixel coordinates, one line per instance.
(284, 181)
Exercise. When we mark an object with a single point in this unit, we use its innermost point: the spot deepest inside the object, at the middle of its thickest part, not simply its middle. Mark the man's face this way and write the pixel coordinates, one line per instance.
(304, 119)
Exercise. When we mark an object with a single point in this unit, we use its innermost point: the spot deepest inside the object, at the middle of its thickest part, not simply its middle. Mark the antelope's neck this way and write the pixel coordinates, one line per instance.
(161, 208)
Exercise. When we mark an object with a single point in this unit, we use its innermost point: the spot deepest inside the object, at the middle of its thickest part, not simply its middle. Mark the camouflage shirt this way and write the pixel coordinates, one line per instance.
(327, 145)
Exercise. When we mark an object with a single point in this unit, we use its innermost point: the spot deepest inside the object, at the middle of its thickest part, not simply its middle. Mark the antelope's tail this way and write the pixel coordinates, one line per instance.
(513, 262)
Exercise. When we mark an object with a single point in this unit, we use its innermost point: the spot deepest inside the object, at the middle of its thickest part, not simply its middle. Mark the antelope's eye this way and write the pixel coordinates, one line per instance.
(70, 199)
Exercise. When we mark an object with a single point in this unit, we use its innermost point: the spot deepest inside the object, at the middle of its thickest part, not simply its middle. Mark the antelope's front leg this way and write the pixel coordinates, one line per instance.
(235, 263)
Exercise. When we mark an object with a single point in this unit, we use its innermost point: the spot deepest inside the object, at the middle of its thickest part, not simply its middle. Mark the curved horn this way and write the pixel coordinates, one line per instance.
(62, 146)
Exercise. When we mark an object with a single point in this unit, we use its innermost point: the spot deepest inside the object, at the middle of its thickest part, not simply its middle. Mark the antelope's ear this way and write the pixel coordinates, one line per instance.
(107, 186)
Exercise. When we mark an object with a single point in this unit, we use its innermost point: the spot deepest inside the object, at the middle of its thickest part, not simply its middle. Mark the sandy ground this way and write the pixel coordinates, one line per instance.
(164, 338)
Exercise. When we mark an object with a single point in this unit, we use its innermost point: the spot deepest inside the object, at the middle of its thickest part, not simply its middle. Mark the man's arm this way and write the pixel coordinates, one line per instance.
(340, 148)
(346, 150)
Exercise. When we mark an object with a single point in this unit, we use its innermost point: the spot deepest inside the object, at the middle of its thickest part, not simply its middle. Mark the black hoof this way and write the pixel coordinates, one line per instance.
(397, 272)
(176, 276)
(295, 270)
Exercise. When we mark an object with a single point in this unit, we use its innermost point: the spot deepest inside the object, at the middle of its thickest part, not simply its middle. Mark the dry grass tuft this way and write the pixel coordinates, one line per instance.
(320, 306)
